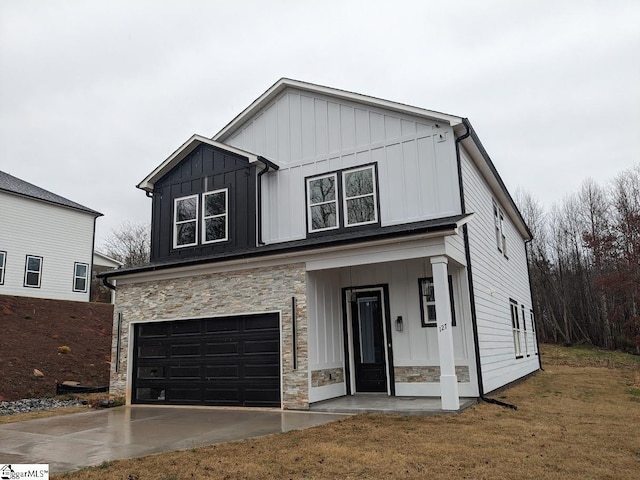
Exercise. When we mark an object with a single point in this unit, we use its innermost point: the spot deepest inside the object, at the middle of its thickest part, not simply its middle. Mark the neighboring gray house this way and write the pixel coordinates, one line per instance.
(46, 243)
(326, 243)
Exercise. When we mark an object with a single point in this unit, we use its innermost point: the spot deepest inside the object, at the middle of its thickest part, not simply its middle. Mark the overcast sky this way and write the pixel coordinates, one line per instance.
(95, 94)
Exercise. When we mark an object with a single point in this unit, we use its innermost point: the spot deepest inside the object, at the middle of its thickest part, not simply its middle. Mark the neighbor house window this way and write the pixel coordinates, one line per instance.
(80, 277)
(3, 265)
(215, 216)
(360, 205)
(342, 199)
(428, 302)
(322, 203)
(185, 225)
(498, 223)
(33, 271)
(515, 325)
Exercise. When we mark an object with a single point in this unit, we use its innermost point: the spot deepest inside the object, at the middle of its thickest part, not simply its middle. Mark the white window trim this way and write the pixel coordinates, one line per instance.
(498, 224)
(39, 271)
(533, 332)
(515, 325)
(76, 276)
(225, 215)
(176, 222)
(334, 201)
(373, 194)
(3, 266)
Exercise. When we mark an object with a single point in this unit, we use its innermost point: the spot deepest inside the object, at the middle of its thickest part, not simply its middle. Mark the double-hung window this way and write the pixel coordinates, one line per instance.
(342, 199)
(533, 333)
(498, 223)
(428, 302)
(215, 220)
(515, 326)
(322, 201)
(3, 266)
(33, 271)
(80, 277)
(185, 225)
(360, 205)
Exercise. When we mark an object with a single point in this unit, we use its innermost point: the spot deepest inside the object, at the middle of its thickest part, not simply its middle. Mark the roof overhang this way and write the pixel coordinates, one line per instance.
(473, 146)
(189, 146)
(277, 88)
(438, 227)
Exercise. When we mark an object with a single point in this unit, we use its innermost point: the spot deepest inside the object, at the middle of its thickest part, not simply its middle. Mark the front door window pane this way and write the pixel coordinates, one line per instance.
(366, 318)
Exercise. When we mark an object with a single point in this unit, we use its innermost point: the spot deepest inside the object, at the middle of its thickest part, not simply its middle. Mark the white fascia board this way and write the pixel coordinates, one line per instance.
(103, 260)
(284, 83)
(181, 153)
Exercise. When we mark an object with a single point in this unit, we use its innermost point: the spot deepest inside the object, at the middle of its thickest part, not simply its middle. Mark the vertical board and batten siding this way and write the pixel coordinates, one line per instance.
(60, 235)
(204, 170)
(308, 135)
(496, 280)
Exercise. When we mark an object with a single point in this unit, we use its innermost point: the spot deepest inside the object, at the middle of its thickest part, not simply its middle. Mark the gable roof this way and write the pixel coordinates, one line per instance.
(16, 186)
(189, 146)
(285, 83)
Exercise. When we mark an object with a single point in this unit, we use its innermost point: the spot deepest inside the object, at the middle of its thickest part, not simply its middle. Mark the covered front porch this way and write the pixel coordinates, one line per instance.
(389, 327)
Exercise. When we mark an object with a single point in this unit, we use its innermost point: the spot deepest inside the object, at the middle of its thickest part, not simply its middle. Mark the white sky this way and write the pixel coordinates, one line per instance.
(95, 94)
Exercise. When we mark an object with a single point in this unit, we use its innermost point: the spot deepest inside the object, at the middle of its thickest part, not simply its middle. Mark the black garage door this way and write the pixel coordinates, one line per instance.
(212, 361)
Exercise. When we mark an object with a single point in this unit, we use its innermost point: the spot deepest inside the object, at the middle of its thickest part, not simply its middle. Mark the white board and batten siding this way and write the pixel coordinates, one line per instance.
(309, 134)
(496, 280)
(60, 235)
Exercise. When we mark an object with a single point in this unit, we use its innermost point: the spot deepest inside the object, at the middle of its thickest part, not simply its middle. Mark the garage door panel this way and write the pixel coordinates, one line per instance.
(219, 349)
(217, 361)
(222, 371)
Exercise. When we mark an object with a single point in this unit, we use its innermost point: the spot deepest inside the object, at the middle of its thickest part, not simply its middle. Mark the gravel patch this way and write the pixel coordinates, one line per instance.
(32, 404)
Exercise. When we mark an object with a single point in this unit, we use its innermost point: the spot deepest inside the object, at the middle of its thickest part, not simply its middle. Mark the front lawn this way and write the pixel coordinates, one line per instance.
(579, 418)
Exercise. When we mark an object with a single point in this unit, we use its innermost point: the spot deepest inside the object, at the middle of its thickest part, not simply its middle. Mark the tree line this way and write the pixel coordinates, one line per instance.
(584, 264)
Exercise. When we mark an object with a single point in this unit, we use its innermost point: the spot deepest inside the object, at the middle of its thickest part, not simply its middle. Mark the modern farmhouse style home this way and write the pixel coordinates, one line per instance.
(326, 243)
(46, 243)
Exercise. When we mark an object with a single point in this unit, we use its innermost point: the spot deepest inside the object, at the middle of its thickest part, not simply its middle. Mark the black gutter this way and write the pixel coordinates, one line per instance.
(467, 254)
(395, 231)
(105, 282)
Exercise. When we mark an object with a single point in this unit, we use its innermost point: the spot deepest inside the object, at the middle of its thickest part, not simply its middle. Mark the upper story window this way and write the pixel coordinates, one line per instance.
(3, 264)
(322, 203)
(498, 223)
(185, 225)
(360, 203)
(347, 198)
(80, 277)
(428, 302)
(32, 271)
(215, 216)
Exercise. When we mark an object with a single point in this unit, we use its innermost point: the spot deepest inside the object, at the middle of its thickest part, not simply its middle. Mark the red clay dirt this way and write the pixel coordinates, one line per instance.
(32, 330)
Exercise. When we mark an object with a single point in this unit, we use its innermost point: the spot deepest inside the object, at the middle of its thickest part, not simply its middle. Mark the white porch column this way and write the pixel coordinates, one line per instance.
(448, 379)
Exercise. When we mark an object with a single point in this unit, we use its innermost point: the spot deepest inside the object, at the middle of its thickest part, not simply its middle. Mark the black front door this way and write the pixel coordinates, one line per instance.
(368, 342)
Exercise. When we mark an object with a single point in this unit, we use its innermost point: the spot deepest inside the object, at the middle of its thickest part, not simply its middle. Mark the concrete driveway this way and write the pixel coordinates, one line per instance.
(69, 442)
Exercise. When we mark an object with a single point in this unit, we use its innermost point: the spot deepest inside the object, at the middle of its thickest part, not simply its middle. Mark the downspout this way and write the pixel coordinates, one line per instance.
(259, 203)
(467, 253)
(268, 165)
(106, 283)
(535, 314)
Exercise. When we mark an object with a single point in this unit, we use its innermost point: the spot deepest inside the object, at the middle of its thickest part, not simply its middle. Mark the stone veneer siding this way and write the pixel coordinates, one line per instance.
(328, 376)
(267, 289)
(427, 374)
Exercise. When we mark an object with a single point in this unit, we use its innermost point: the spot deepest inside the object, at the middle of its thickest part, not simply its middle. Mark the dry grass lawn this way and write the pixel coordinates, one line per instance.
(580, 418)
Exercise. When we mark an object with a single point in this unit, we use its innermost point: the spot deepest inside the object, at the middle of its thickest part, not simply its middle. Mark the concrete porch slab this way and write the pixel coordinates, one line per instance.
(383, 403)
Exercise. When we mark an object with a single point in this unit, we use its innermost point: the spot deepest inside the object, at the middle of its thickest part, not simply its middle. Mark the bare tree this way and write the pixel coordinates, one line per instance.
(130, 243)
